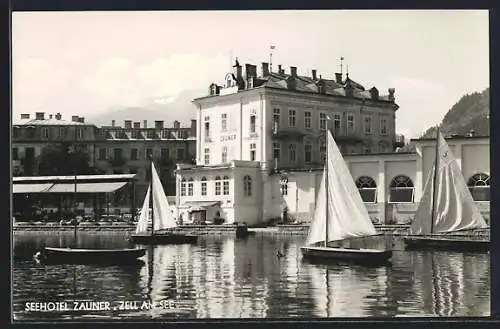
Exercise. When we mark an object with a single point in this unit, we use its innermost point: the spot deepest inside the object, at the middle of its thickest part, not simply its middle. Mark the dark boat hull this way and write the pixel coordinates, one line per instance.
(91, 256)
(446, 244)
(360, 256)
(164, 238)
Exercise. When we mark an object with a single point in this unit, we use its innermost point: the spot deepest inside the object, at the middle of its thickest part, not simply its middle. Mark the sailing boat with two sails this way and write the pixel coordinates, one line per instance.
(162, 220)
(340, 214)
(446, 207)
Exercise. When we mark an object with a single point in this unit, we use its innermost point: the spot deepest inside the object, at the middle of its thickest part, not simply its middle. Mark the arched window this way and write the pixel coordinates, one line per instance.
(292, 153)
(247, 185)
(203, 186)
(224, 154)
(191, 186)
(217, 185)
(183, 187)
(401, 189)
(307, 152)
(367, 188)
(479, 187)
(225, 184)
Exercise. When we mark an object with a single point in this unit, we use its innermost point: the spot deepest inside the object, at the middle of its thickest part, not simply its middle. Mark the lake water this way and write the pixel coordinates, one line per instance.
(225, 277)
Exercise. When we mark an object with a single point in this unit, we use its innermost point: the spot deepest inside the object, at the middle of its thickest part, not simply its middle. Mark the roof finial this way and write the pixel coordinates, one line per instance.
(236, 64)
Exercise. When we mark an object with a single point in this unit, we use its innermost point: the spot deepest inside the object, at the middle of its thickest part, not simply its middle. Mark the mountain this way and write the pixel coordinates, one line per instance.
(167, 108)
(471, 112)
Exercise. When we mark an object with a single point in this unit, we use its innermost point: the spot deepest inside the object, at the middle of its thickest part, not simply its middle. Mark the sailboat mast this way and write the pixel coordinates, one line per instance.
(434, 182)
(151, 199)
(326, 185)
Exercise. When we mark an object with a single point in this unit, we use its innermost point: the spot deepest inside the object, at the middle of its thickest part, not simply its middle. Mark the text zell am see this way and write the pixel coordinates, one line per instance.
(98, 306)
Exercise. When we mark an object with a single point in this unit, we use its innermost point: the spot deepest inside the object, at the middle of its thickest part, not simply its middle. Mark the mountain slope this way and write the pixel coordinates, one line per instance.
(471, 112)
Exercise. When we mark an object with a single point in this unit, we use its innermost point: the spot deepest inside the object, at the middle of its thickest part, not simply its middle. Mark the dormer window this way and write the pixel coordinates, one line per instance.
(321, 87)
(213, 89)
(229, 83)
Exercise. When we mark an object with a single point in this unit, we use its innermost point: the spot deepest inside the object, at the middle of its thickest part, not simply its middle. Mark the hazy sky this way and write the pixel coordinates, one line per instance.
(86, 62)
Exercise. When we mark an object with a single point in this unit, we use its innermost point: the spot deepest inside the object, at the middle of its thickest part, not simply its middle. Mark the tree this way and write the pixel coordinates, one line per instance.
(61, 159)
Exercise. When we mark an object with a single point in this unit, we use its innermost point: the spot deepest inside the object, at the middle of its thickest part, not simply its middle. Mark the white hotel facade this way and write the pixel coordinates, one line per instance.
(261, 142)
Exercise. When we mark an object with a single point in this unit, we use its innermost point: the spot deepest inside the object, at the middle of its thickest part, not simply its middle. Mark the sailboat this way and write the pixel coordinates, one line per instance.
(446, 207)
(340, 214)
(162, 219)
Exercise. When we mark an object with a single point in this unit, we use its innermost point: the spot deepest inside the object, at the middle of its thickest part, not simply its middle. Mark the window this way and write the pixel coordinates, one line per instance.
(322, 149)
(276, 119)
(252, 152)
(203, 186)
(383, 126)
(322, 121)
(292, 152)
(247, 185)
(165, 154)
(190, 186)
(383, 147)
(225, 184)
(291, 118)
(183, 187)
(15, 153)
(134, 155)
(252, 123)
(102, 154)
(479, 187)
(276, 150)
(284, 185)
(149, 153)
(207, 131)
(223, 121)
(180, 154)
(207, 156)
(368, 125)
(350, 123)
(62, 131)
(308, 152)
(401, 189)
(217, 185)
(165, 134)
(336, 124)
(367, 188)
(45, 132)
(224, 154)
(117, 153)
(79, 133)
(307, 120)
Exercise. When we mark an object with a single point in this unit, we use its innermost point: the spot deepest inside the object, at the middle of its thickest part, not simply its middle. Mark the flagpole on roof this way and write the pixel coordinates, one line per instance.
(271, 48)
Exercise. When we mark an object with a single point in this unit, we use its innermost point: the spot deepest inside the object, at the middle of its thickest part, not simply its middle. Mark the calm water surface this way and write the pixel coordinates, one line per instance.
(224, 277)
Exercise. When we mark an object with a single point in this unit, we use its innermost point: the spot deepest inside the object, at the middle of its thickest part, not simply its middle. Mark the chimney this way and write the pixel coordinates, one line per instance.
(137, 124)
(279, 69)
(39, 115)
(338, 77)
(314, 75)
(374, 93)
(265, 69)
(293, 71)
(81, 119)
(159, 124)
(391, 94)
(177, 124)
(128, 124)
(192, 132)
(250, 71)
(50, 116)
(58, 116)
(112, 123)
(25, 116)
(145, 122)
(74, 118)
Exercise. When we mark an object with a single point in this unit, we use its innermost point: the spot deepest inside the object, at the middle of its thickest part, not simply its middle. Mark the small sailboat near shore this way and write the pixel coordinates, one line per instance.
(161, 219)
(447, 217)
(340, 216)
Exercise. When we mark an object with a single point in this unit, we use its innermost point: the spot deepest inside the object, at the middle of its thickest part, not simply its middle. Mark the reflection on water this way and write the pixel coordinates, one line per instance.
(243, 278)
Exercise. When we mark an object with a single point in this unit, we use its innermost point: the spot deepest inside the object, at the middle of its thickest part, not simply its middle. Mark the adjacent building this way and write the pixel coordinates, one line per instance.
(262, 143)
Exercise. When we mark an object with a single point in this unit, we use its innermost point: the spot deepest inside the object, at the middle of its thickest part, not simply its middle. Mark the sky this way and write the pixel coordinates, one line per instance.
(85, 63)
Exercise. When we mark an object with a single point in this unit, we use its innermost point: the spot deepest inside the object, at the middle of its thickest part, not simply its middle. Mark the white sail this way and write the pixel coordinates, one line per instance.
(142, 223)
(163, 217)
(455, 209)
(347, 214)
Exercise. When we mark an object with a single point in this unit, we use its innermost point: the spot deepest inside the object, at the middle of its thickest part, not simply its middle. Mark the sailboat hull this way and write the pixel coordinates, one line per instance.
(446, 244)
(91, 256)
(164, 238)
(363, 256)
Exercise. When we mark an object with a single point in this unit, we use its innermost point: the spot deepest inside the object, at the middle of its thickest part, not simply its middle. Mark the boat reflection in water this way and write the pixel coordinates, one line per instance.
(224, 277)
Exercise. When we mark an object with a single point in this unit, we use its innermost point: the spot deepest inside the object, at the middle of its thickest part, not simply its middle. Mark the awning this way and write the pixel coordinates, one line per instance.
(199, 205)
(30, 188)
(86, 187)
